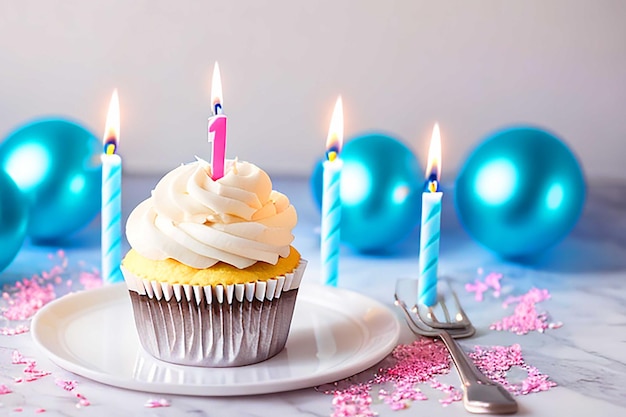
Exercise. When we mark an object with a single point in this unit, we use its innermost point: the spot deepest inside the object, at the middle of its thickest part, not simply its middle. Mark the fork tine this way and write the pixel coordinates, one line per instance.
(460, 319)
(446, 313)
(441, 302)
(416, 326)
(406, 293)
(461, 312)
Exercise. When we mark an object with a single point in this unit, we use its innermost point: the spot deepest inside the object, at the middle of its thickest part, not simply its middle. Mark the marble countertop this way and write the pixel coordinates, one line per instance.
(586, 275)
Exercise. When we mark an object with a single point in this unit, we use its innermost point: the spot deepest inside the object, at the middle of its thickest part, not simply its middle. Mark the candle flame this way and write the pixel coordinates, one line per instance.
(433, 168)
(112, 127)
(334, 141)
(216, 91)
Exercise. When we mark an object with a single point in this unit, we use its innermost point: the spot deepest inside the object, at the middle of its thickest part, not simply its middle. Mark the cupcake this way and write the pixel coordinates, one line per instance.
(211, 272)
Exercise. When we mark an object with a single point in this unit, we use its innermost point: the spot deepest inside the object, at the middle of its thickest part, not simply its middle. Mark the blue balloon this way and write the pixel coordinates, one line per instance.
(56, 164)
(13, 219)
(381, 189)
(520, 192)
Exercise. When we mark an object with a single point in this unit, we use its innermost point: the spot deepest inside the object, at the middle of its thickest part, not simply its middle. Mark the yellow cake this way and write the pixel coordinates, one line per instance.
(212, 274)
(173, 272)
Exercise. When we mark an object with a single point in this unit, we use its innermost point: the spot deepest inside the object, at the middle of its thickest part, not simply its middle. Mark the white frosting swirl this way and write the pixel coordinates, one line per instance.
(237, 219)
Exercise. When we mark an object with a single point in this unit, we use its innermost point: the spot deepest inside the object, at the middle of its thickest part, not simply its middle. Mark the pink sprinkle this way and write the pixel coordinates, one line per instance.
(420, 363)
(353, 402)
(12, 331)
(492, 281)
(525, 317)
(83, 401)
(4, 389)
(29, 297)
(535, 295)
(36, 376)
(417, 363)
(453, 393)
(478, 287)
(31, 368)
(18, 359)
(40, 410)
(18, 409)
(401, 398)
(496, 361)
(25, 297)
(162, 402)
(90, 280)
(70, 386)
(67, 385)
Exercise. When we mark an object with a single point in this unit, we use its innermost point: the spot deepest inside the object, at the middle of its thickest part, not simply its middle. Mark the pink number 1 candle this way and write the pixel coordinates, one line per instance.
(217, 127)
(111, 213)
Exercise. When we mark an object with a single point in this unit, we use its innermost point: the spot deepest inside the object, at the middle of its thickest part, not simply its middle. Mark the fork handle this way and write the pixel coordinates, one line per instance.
(468, 372)
(480, 394)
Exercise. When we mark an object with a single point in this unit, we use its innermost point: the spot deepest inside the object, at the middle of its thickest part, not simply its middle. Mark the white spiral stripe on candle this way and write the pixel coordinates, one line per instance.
(112, 240)
(432, 258)
(331, 219)
(429, 248)
(111, 220)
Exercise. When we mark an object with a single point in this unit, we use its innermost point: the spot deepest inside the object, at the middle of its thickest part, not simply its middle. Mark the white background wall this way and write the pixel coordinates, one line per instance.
(400, 65)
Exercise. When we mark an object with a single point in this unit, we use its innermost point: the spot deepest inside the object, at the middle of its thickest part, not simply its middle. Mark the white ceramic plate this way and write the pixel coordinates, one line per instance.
(335, 334)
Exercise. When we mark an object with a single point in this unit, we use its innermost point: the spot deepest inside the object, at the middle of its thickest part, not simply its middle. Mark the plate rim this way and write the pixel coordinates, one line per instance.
(282, 385)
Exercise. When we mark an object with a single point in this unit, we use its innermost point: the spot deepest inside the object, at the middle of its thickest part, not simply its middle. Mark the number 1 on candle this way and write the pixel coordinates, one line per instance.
(217, 136)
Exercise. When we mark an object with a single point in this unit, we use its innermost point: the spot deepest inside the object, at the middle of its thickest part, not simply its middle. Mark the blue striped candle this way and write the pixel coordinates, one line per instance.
(331, 199)
(429, 247)
(111, 214)
(430, 227)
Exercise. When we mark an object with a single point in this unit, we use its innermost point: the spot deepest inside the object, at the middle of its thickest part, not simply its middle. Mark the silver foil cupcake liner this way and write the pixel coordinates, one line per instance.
(214, 326)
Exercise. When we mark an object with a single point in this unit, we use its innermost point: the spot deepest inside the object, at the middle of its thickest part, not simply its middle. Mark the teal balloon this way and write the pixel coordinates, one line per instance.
(520, 192)
(13, 219)
(381, 188)
(56, 164)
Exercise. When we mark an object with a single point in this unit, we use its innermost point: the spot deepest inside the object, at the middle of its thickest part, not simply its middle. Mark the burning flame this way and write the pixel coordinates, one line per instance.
(112, 128)
(334, 142)
(216, 91)
(433, 167)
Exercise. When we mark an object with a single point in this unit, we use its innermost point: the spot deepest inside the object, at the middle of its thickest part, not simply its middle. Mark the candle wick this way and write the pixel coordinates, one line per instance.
(332, 153)
(432, 185)
(109, 148)
(217, 109)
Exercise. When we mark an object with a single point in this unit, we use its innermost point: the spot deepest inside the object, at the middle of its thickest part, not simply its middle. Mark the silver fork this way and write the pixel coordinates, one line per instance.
(480, 394)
